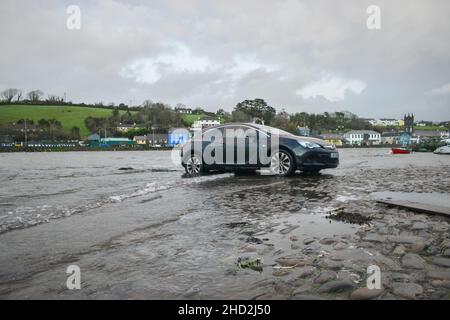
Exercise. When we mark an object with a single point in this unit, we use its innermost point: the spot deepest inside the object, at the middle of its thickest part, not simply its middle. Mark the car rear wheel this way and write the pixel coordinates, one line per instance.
(194, 165)
(282, 163)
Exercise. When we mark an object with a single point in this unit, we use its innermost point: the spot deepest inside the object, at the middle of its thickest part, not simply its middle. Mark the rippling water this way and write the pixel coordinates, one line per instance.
(149, 232)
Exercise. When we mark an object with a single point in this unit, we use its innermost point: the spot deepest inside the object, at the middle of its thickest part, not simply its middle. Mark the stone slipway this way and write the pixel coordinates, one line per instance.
(417, 207)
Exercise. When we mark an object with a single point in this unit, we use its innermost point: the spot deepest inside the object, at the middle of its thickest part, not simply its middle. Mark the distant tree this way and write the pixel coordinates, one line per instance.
(54, 124)
(35, 95)
(9, 94)
(54, 99)
(198, 111)
(240, 116)
(257, 108)
(130, 134)
(147, 103)
(19, 95)
(75, 133)
(127, 118)
(22, 122)
(282, 121)
(220, 112)
(94, 124)
(43, 123)
(114, 119)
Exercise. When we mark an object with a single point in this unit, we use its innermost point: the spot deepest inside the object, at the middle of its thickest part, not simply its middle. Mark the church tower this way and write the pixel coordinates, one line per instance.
(409, 124)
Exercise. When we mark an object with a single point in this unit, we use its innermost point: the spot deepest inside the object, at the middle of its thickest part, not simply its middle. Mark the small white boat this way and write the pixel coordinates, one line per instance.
(443, 150)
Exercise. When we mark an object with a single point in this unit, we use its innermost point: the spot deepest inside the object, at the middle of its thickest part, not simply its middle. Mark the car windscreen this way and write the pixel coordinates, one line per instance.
(272, 130)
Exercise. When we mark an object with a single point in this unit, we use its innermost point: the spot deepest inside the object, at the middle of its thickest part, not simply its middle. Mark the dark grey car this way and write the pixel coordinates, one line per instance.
(248, 146)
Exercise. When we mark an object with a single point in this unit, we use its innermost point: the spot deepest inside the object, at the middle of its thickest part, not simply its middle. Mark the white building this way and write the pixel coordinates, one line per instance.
(362, 137)
(205, 123)
(385, 122)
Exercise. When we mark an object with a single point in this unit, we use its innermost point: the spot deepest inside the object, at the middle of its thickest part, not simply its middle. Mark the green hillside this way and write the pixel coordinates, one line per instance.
(69, 116)
(191, 118)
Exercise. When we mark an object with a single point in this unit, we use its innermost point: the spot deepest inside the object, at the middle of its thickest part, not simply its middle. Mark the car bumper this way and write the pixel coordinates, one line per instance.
(317, 160)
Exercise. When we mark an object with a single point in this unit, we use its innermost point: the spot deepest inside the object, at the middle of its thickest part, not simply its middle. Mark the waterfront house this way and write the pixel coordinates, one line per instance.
(390, 137)
(362, 137)
(183, 110)
(332, 138)
(113, 142)
(431, 134)
(384, 122)
(141, 140)
(206, 122)
(127, 127)
(404, 138)
(156, 139)
(94, 140)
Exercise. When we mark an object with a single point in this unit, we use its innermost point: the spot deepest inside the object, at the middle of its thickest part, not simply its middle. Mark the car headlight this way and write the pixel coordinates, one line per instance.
(308, 145)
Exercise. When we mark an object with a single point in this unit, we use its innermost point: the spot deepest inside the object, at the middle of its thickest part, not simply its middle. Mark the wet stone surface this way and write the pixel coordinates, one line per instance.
(313, 237)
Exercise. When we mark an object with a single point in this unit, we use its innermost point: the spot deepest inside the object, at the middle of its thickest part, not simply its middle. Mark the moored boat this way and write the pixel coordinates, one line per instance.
(400, 151)
(443, 150)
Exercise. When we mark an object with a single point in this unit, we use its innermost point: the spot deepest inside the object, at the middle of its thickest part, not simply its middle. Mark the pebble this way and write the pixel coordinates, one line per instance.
(438, 295)
(446, 253)
(325, 276)
(283, 288)
(280, 273)
(305, 272)
(308, 241)
(399, 250)
(327, 241)
(400, 277)
(413, 261)
(407, 290)
(441, 283)
(337, 286)
(440, 228)
(288, 229)
(419, 226)
(417, 246)
(440, 275)
(404, 239)
(248, 248)
(340, 246)
(293, 261)
(441, 261)
(445, 244)
(365, 294)
(374, 237)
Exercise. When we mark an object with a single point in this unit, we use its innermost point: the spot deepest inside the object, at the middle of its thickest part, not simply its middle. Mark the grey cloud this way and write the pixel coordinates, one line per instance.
(237, 50)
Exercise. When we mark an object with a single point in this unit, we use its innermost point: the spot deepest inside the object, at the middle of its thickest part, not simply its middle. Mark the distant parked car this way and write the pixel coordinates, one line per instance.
(245, 146)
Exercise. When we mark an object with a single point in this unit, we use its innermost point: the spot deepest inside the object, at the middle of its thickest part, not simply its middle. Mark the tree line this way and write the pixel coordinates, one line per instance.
(159, 117)
(43, 129)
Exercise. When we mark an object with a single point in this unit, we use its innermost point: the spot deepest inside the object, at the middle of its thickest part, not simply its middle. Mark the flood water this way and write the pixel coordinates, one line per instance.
(139, 229)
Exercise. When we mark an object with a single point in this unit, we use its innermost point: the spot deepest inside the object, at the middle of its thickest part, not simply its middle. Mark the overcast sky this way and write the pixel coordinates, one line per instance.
(311, 56)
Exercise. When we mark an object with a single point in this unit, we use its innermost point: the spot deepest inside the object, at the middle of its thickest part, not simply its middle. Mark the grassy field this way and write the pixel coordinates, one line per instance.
(431, 128)
(191, 118)
(69, 116)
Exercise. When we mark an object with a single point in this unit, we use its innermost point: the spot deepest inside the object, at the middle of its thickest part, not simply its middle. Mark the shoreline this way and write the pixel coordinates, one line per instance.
(145, 148)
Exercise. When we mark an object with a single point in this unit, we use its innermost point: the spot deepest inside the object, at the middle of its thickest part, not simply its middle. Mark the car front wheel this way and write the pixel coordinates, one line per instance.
(193, 165)
(282, 163)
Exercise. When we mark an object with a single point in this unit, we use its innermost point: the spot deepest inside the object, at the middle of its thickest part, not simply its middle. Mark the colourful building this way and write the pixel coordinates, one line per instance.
(332, 138)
